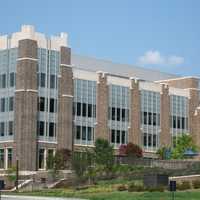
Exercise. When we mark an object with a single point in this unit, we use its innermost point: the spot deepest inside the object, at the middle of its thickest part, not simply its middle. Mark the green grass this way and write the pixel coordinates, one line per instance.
(114, 195)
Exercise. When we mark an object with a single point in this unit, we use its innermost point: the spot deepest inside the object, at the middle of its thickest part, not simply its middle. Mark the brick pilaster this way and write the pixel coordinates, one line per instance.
(102, 107)
(134, 114)
(165, 135)
(65, 101)
(26, 105)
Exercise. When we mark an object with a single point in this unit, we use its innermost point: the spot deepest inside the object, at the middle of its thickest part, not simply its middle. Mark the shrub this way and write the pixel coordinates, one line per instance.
(133, 150)
(196, 184)
(121, 188)
(135, 188)
(185, 185)
(156, 189)
(122, 150)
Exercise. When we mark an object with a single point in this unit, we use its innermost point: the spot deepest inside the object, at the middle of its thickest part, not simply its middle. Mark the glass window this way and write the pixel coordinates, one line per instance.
(52, 81)
(89, 134)
(2, 158)
(78, 132)
(118, 137)
(3, 80)
(2, 129)
(42, 79)
(42, 104)
(84, 109)
(41, 128)
(3, 104)
(113, 136)
(41, 159)
(10, 128)
(51, 129)
(9, 158)
(145, 140)
(12, 79)
(11, 103)
(78, 109)
(123, 137)
(83, 133)
(89, 110)
(52, 105)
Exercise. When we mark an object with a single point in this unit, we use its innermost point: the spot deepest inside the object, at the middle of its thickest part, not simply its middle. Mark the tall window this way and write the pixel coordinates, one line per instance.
(2, 129)
(150, 119)
(11, 103)
(9, 152)
(2, 164)
(12, 79)
(41, 128)
(118, 114)
(41, 104)
(179, 111)
(41, 159)
(10, 128)
(84, 110)
(3, 104)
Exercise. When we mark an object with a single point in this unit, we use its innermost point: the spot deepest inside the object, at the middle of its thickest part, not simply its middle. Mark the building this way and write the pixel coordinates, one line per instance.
(50, 98)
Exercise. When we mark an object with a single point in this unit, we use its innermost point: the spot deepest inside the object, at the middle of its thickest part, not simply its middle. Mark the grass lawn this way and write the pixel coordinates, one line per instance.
(115, 195)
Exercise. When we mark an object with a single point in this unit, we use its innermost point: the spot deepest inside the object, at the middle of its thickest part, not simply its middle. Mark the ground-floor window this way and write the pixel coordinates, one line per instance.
(150, 140)
(41, 159)
(9, 157)
(2, 159)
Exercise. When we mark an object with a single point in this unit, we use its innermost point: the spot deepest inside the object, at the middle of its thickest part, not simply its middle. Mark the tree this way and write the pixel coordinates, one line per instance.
(104, 154)
(181, 144)
(133, 150)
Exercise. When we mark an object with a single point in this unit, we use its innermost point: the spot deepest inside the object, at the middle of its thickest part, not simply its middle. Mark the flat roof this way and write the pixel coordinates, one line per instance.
(94, 64)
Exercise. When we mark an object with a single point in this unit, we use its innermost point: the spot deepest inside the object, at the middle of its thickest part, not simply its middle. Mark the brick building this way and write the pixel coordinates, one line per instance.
(51, 98)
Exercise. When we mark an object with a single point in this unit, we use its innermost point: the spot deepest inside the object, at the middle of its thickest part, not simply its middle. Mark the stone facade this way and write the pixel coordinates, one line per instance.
(134, 133)
(102, 130)
(182, 83)
(165, 135)
(25, 121)
(65, 101)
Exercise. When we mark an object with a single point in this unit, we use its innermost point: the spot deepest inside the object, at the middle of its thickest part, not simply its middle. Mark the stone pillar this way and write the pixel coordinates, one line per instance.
(193, 114)
(25, 120)
(134, 133)
(65, 101)
(165, 135)
(196, 127)
(102, 130)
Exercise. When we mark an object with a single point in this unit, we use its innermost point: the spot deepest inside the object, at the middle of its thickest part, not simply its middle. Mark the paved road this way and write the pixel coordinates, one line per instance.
(9, 197)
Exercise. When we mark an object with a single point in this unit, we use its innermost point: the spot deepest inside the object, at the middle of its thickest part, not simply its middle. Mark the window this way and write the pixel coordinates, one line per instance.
(11, 103)
(2, 159)
(89, 110)
(83, 133)
(9, 151)
(41, 128)
(89, 134)
(149, 140)
(113, 113)
(52, 105)
(51, 129)
(84, 110)
(123, 137)
(78, 109)
(112, 136)
(154, 140)
(145, 140)
(41, 159)
(3, 80)
(52, 81)
(3, 104)
(41, 104)
(2, 129)
(118, 114)
(118, 137)
(42, 79)
(78, 132)
(10, 128)
(12, 79)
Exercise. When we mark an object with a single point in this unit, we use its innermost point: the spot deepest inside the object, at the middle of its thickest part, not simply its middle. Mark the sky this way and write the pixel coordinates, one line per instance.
(158, 34)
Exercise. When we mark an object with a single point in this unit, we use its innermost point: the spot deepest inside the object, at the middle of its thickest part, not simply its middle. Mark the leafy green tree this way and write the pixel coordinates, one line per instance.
(181, 144)
(104, 154)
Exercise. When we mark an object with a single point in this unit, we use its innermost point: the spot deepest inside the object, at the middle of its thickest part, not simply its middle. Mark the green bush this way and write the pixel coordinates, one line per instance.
(185, 185)
(121, 188)
(156, 189)
(135, 188)
(196, 184)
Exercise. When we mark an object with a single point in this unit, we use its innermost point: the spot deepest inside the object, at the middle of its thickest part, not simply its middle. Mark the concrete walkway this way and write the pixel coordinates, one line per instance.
(12, 197)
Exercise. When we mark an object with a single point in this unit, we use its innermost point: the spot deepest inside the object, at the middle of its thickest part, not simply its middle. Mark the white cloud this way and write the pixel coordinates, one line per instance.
(155, 58)
(175, 60)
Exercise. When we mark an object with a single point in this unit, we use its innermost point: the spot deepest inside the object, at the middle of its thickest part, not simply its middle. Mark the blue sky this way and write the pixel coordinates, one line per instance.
(157, 34)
